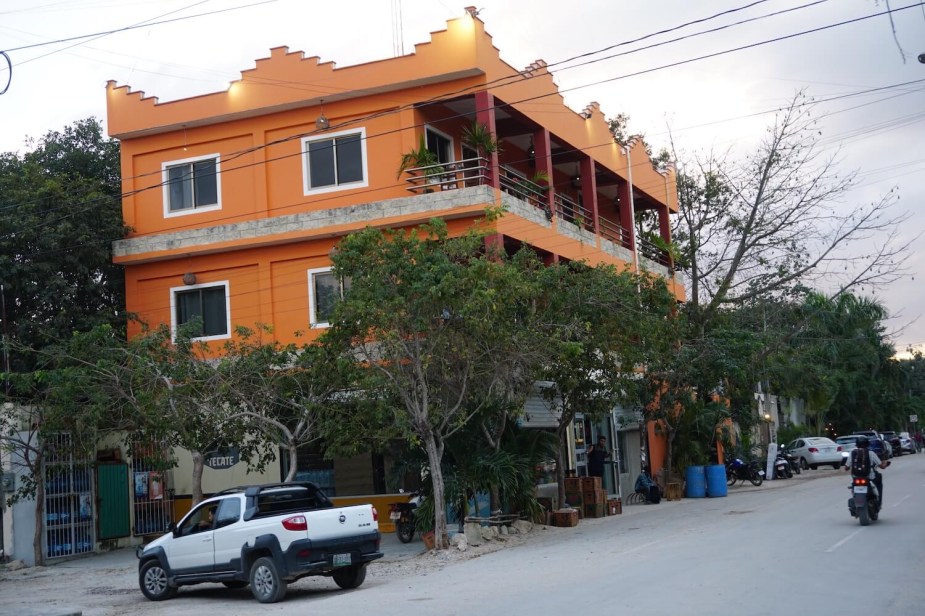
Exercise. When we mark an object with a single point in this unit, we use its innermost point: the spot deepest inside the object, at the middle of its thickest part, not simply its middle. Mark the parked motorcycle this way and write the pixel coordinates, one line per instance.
(864, 503)
(791, 459)
(403, 516)
(782, 468)
(739, 470)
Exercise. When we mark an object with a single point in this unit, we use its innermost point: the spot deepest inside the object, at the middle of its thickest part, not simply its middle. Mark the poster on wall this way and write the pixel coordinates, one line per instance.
(155, 486)
(141, 485)
(85, 507)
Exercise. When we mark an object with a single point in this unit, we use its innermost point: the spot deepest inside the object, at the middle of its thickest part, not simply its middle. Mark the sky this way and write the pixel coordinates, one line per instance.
(832, 50)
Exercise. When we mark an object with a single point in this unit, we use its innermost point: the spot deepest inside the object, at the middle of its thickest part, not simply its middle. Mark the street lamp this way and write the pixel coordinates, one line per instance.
(767, 423)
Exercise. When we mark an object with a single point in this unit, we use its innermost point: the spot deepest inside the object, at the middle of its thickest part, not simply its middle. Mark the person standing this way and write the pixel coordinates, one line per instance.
(596, 456)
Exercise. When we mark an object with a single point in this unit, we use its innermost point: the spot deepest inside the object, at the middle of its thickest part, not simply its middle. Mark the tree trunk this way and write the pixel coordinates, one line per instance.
(39, 473)
(562, 433)
(434, 458)
(293, 462)
(198, 465)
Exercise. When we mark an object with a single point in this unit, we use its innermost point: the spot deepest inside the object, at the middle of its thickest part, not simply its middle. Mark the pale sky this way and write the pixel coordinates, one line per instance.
(881, 135)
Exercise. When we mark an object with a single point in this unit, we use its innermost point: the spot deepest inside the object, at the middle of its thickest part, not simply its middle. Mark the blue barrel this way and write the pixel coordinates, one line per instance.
(696, 482)
(716, 480)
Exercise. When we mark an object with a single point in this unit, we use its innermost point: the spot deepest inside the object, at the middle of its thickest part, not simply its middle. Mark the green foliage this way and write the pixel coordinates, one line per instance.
(61, 214)
(417, 157)
(479, 137)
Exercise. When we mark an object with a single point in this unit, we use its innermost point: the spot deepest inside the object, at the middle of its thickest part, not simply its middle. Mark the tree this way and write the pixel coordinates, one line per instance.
(419, 318)
(598, 326)
(61, 214)
(279, 391)
(771, 225)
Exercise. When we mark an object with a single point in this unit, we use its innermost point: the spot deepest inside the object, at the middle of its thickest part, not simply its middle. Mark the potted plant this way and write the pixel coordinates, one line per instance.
(478, 137)
(422, 158)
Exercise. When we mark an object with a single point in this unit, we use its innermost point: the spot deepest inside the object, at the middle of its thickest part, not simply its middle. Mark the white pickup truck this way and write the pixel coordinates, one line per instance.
(266, 536)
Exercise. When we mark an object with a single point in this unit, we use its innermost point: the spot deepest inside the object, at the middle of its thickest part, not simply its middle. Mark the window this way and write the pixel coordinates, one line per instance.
(324, 291)
(191, 185)
(440, 144)
(335, 162)
(208, 304)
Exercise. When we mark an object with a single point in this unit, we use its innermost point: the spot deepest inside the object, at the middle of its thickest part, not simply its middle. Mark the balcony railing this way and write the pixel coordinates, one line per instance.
(475, 172)
(652, 252)
(572, 212)
(448, 176)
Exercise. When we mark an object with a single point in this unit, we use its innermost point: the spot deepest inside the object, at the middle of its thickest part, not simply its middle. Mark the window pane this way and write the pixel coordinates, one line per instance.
(214, 315)
(349, 159)
(180, 187)
(189, 307)
(321, 163)
(206, 183)
(439, 145)
(327, 292)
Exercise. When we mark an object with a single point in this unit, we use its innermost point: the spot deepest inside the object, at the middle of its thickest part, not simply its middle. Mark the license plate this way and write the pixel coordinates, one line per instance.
(761, 473)
(395, 515)
(860, 489)
(341, 559)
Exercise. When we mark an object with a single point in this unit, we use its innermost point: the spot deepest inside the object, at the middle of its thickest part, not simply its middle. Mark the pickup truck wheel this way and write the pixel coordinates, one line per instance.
(154, 583)
(266, 584)
(350, 577)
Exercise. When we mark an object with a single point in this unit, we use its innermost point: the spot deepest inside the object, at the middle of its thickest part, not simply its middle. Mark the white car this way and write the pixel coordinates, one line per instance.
(811, 451)
(847, 443)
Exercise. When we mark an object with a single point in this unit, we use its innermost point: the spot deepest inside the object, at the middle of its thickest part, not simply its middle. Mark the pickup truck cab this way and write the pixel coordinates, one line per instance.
(266, 536)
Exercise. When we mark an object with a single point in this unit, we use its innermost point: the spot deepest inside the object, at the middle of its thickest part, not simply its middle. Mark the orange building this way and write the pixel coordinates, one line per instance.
(235, 199)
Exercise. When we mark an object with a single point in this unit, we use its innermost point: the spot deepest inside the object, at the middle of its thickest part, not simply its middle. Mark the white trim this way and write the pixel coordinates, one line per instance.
(173, 308)
(306, 187)
(165, 186)
(311, 298)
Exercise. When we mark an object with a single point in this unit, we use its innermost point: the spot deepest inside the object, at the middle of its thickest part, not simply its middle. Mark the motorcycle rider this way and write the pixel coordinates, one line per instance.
(864, 443)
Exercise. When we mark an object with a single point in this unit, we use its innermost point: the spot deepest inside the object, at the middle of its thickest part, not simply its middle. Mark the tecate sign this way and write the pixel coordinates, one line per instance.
(223, 458)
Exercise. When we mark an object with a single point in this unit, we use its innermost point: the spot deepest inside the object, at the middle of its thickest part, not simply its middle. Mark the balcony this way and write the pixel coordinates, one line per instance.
(476, 172)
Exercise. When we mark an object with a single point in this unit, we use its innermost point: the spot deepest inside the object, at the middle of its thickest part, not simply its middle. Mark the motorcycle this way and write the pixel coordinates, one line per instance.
(792, 460)
(739, 470)
(864, 503)
(782, 468)
(403, 516)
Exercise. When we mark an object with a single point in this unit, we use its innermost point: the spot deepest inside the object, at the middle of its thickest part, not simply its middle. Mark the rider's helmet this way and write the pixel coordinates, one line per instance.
(862, 442)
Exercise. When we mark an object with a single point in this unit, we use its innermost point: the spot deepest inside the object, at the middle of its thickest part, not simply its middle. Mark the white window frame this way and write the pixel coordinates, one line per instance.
(306, 181)
(165, 185)
(312, 313)
(173, 309)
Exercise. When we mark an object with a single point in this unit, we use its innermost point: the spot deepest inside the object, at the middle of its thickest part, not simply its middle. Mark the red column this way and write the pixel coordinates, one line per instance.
(589, 191)
(543, 160)
(664, 229)
(485, 114)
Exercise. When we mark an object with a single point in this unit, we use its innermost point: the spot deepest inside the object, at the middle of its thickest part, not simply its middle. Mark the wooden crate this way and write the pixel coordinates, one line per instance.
(594, 511)
(575, 499)
(573, 484)
(592, 497)
(566, 517)
(590, 484)
(614, 506)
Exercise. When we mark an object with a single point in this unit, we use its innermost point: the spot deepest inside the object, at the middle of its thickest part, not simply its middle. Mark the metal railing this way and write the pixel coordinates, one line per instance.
(572, 212)
(448, 176)
(614, 232)
(653, 252)
(515, 183)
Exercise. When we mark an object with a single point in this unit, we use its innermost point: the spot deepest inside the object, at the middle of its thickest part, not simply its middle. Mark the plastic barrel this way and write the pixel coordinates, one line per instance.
(696, 482)
(716, 480)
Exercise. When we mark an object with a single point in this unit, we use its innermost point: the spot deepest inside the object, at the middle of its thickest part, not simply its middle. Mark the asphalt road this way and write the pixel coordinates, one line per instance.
(787, 548)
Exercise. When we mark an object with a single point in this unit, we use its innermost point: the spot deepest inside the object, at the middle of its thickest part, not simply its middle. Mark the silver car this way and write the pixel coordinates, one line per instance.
(811, 451)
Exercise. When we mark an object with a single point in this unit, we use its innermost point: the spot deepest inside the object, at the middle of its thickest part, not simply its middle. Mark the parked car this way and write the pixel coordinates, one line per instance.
(848, 442)
(811, 451)
(908, 443)
(893, 439)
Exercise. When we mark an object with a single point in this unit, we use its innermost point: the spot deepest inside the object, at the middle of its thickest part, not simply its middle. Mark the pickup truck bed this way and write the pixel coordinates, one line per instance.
(265, 536)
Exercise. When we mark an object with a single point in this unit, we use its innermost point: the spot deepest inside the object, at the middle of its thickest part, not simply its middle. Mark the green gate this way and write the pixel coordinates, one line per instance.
(113, 504)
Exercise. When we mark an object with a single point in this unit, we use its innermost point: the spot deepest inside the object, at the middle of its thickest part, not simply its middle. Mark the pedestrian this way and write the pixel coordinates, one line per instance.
(596, 456)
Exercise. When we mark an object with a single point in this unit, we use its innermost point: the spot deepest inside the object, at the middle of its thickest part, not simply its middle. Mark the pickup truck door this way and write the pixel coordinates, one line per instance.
(192, 549)
(230, 534)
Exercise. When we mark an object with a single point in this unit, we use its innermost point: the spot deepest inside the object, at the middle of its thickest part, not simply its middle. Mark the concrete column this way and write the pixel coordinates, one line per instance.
(485, 114)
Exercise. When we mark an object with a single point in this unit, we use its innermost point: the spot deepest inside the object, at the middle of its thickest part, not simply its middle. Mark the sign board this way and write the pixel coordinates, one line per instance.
(913, 418)
(224, 457)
